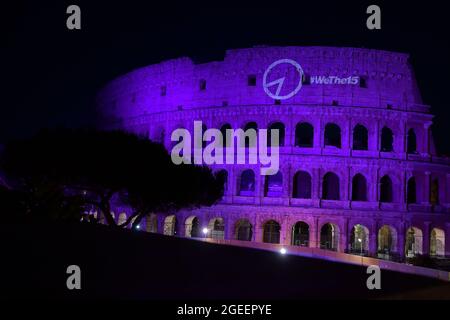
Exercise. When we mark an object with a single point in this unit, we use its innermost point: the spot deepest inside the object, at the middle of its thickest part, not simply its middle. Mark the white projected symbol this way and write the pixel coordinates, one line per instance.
(279, 82)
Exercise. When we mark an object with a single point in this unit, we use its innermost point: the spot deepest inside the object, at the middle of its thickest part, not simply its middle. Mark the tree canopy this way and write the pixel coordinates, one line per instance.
(61, 173)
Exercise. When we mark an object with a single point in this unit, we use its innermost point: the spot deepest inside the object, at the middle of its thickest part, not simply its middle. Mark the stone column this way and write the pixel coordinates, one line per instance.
(401, 240)
(343, 244)
(426, 238)
(259, 187)
(425, 194)
(284, 234)
(160, 219)
(258, 231)
(315, 234)
(373, 245)
(318, 136)
(425, 148)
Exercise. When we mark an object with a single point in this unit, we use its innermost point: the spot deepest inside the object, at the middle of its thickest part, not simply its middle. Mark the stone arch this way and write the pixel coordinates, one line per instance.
(411, 193)
(411, 143)
(359, 239)
(192, 227)
(151, 223)
(273, 185)
(329, 236)
(301, 187)
(170, 225)
(300, 234)
(250, 125)
(216, 227)
(122, 218)
(413, 242)
(281, 133)
(332, 135)
(330, 186)
(437, 242)
(304, 135)
(359, 188)
(271, 232)
(227, 137)
(360, 137)
(386, 190)
(247, 183)
(434, 191)
(243, 230)
(387, 241)
(387, 140)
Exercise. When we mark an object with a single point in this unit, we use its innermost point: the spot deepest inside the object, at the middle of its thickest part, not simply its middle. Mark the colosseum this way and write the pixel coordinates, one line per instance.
(358, 170)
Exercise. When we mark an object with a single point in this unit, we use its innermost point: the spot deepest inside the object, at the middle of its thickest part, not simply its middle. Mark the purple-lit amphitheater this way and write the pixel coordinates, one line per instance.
(358, 167)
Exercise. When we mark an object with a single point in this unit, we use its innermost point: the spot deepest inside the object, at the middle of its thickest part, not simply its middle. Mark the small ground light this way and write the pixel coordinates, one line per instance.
(283, 251)
(205, 231)
(138, 227)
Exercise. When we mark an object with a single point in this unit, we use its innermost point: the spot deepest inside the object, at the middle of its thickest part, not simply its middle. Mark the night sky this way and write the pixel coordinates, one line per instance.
(49, 74)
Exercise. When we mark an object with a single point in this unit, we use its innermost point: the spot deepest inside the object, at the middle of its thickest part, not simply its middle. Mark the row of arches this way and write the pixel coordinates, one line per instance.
(304, 136)
(329, 236)
(331, 186)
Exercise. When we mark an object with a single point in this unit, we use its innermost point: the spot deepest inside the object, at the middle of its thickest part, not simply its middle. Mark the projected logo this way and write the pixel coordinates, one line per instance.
(283, 79)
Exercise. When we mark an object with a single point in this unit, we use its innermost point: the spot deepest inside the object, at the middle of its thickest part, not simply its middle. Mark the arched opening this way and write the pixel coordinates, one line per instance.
(329, 237)
(271, 232)
(151, 223)
(300, 234)
(359, 188)
(413, 243)
(217, 227)
(251, 126)
(387, 140)
(359, 240)
(385, 189)
(387, 241)
(411, 141)
(247, 183)
(304, 135)
(332, 135)
(122, 218)
(281, 133)
(301, 185)
(244, 230)
(434, 192)
(411, 191)
(170, 225)
(226, 135)
(330, 187)
(273, 185)
(192, 227)
(437, 242)
(360, 138)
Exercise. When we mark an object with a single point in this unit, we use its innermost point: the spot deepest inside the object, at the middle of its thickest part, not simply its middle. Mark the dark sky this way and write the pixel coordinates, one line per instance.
(49, 75)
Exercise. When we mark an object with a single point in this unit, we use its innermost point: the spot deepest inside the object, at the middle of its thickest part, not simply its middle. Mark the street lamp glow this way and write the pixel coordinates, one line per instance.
(283, 251)
(138, 227)
(205, 231)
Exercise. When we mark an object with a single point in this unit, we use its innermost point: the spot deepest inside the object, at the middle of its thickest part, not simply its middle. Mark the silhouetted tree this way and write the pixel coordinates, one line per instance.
(64, 169)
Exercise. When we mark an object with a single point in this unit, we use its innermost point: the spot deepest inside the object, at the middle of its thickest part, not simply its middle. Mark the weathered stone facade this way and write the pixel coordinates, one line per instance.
(382, 176)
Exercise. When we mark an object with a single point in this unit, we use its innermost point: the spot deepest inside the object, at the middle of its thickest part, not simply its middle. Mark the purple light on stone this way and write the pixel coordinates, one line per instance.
(358, 160)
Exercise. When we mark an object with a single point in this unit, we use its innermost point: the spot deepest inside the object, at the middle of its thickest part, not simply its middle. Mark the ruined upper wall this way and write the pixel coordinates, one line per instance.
(389, 81)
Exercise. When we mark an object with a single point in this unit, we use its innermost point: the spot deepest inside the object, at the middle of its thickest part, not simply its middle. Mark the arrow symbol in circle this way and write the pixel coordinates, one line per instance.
(279, 82)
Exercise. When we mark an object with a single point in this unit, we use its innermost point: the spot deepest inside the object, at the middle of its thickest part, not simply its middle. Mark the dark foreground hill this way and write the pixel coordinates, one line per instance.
(132, 264)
